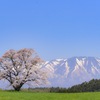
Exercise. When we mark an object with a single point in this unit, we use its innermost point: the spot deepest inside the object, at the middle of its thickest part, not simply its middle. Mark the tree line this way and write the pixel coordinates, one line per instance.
(91, 86)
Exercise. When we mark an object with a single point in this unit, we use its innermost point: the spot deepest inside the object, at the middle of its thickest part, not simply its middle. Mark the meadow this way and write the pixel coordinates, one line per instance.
(7, 95)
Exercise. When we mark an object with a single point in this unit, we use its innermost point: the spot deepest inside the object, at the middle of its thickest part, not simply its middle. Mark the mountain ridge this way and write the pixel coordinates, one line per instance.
(72, 71)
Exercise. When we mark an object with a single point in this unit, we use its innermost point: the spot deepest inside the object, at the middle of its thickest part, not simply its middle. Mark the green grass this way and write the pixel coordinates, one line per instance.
(4, 95)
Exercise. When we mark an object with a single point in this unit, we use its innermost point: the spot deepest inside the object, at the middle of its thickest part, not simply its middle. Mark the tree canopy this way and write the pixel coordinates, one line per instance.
(20, 67)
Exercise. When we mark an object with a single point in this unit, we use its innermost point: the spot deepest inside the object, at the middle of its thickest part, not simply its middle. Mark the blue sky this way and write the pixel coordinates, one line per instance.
(54, 28)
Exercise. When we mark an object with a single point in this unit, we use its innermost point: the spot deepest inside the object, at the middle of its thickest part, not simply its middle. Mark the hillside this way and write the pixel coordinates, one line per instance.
(91, 86)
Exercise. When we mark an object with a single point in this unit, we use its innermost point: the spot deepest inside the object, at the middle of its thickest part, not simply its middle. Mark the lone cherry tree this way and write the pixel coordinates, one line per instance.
(20, 67)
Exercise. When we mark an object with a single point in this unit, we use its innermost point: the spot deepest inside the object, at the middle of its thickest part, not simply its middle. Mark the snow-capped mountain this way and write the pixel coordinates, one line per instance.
(71, 71)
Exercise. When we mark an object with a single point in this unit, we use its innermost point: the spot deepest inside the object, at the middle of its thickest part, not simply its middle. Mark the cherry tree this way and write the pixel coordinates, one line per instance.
(20, 67)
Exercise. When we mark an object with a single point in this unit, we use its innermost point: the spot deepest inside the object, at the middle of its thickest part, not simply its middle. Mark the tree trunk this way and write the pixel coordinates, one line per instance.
(17, 88)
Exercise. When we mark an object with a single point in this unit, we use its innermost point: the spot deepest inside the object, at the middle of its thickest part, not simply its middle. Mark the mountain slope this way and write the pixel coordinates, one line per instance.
(75, 70)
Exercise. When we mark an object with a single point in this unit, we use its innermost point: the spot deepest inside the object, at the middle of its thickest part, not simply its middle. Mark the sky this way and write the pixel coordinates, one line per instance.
(54, 28)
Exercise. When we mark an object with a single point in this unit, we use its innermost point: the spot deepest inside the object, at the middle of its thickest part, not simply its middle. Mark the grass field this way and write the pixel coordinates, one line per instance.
(4, 95)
